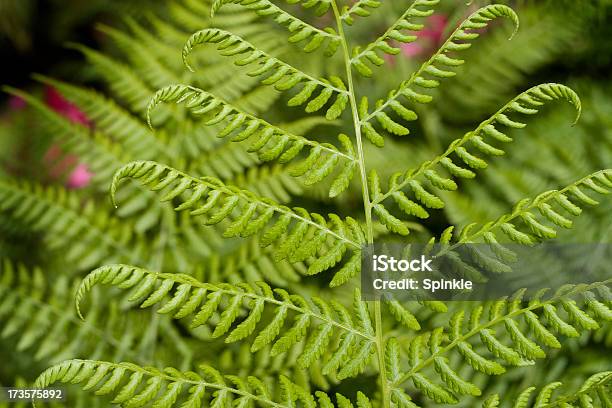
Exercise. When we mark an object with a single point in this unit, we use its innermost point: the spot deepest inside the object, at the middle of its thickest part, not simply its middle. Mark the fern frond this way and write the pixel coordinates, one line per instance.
(326, 245)
(530, 221)
(249, 97)
(149, 67)
(217, 75)
(283, 76)
(545, 35)
(234, 165)
(102, 151)
(268, 141)
(359, 8)
(160, 50)
(132, 385)
(191, 16)
(596, 388)
(123, 81)
(202, 102)
(300, 30)
(280, 345)
(218, 78)
(554, 207)
(239, 360)
(171, 32)
(202, 300)
(427, 76)
(442, 171)
(273, 182)
(383, 44)
(502, 324)
(224, 161)
(249, 262)
(232, 17)
(86, 234)
(33, 309)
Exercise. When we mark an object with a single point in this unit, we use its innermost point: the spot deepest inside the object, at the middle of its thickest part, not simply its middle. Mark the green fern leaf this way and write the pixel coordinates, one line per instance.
(502, 313)
(458, 40)
(595, 387)
(283, 76)
(203, 300)
(163, 388)
(359, 8)
(370, 53)
(269, 141)
(300, 30)
(211, 198)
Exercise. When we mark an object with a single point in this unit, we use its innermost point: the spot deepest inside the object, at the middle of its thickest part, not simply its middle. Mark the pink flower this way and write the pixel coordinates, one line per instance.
(17, 102)
(80, 177)
(61, 105)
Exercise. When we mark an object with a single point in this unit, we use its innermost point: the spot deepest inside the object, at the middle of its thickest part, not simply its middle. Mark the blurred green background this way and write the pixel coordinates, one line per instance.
(130, 48)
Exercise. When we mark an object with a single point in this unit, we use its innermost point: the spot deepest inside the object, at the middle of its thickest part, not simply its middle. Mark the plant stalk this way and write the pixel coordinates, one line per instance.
(367, 204)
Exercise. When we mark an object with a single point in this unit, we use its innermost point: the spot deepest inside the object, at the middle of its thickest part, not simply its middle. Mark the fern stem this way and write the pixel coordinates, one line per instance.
(356, 124)
(367, 205)
(380, 351)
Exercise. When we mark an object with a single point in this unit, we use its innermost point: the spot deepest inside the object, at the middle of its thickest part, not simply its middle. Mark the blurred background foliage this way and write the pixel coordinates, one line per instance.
(60, 143)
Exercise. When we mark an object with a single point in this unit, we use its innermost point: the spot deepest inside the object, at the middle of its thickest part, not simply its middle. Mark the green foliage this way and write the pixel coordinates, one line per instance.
(201, 300)
(209, 197)
(595, 388)
(268, 141)
(427, 76)
(483, 331)
(214, 244)
(171, 382)
(283, 76)
(79, 231)
(429, 171)
(300, 30)
(29, 294)
(532, 47)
